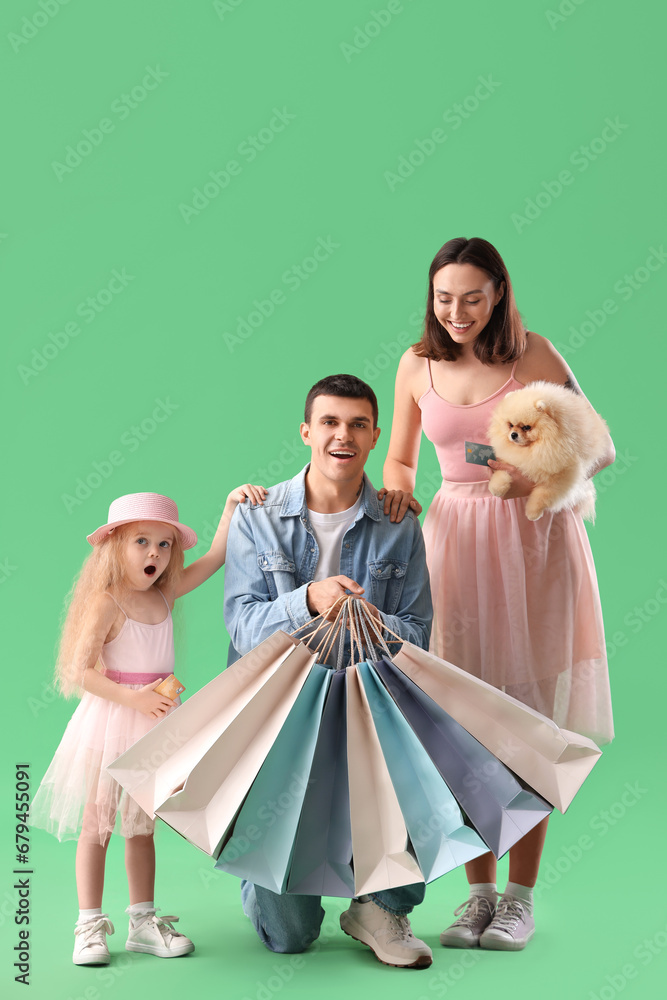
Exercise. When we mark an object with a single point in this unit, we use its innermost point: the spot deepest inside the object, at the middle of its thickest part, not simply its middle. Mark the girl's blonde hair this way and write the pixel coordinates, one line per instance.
(102, 571)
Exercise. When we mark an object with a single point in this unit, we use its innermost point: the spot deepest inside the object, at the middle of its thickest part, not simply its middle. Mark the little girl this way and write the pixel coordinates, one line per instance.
(120, 617)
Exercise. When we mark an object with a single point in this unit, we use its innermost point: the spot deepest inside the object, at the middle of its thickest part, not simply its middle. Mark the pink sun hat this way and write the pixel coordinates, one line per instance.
(144, 507)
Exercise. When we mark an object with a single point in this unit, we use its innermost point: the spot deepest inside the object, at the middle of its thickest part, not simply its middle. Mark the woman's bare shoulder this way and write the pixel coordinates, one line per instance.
(412, 374)
(410, 361)
(541, 361)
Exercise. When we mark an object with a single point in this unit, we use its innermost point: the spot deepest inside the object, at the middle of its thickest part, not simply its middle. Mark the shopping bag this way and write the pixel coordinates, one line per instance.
(438, 834)
(162, 759)
(215, 788)
(553, 761)
(261, 841)
(322, 856)
(379, 835)
(494, 801)
(396, 747)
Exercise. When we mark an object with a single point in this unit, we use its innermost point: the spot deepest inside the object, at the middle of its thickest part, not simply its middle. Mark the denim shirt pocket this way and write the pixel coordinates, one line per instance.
(387, 579)
(272, 564)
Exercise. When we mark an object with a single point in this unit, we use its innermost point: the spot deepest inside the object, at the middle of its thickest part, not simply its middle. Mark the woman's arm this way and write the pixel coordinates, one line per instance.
(400, 467)
(199, 571)
(102, 615)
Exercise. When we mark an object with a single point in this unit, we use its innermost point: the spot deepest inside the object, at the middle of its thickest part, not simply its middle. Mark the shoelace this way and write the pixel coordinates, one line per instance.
(165, 925)
(402, 926)
(94, 930)
(472, 908)
(508, 914)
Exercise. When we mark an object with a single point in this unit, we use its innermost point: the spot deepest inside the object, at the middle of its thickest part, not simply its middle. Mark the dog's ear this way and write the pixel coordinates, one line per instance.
(541, 405)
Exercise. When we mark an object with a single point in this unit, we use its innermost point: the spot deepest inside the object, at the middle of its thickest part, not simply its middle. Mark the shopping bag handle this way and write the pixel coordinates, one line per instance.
(366, 630)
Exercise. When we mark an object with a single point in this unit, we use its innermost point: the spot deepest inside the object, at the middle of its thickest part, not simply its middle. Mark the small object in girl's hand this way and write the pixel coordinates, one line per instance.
(170, 687)
(478, 454)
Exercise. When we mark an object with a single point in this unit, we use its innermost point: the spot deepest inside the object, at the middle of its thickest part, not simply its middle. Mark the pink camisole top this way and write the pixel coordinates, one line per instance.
(450, 425)
(140, 653)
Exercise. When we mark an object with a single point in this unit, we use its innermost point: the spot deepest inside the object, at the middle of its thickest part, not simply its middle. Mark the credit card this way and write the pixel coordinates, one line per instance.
(170, 687)
(478, 454)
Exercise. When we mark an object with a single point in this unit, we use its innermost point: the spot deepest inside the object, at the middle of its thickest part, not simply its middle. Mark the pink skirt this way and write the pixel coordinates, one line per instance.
(76, 780)
(516, 603)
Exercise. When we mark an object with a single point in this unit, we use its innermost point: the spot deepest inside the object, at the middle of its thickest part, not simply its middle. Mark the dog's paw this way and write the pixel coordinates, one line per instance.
(499, 483)
(535, 507)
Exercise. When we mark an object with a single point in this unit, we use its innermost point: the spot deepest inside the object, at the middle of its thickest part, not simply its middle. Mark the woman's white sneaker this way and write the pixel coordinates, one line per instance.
(90, 940)
(387, 934)
(511, 928)
(476, 915)
(153, 935)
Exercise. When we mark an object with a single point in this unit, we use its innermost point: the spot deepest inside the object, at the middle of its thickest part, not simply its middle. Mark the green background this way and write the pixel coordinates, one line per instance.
(362, 100)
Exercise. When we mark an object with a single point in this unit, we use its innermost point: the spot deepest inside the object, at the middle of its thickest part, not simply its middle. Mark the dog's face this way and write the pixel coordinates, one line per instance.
(520, 421)
(523, 434)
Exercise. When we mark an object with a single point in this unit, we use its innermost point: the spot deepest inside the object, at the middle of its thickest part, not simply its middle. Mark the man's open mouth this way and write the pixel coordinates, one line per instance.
(342, 453)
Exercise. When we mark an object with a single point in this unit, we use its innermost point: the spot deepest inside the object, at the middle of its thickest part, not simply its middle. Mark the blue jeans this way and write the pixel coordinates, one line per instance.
(289, 924)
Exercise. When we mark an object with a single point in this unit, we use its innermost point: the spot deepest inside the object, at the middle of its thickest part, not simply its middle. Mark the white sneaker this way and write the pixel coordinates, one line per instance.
(476, 914)
(90, 941)
(387, 934)
(153, 935)
(511, 928)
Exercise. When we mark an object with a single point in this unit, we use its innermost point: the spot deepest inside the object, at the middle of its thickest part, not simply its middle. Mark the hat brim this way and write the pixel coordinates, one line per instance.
(187, 536)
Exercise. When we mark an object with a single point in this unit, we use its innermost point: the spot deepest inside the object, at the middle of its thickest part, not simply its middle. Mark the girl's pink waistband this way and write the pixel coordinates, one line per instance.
(125, 677)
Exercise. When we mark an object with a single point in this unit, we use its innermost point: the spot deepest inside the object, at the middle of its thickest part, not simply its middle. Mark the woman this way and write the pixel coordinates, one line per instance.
(516, 601)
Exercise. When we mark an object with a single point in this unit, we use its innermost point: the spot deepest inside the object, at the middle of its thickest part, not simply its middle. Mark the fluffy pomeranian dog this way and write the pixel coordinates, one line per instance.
(555, 438)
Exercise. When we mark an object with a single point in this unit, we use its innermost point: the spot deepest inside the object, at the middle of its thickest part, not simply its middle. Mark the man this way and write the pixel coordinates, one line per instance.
(316, 538)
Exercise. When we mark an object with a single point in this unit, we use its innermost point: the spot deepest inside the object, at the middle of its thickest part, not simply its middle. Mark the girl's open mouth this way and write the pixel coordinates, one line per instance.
(149, 570)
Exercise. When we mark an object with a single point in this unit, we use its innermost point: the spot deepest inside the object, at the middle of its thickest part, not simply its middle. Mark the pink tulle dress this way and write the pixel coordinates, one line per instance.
(98, 732)
(516, 601)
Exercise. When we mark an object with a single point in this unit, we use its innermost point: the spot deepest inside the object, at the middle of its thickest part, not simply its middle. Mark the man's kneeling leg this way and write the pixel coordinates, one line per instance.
(286, 924)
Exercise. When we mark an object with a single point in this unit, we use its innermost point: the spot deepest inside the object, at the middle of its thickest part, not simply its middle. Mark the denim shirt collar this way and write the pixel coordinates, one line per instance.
(294, 504)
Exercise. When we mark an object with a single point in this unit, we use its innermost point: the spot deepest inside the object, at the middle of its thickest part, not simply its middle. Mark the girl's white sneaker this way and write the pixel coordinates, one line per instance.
(153, 935)
(90, 941)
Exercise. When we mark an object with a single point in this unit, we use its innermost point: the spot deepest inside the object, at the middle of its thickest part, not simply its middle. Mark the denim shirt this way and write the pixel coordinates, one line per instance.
(272, 554)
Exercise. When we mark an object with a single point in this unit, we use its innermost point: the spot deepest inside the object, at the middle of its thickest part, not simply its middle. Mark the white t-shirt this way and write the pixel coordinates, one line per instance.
(329, 530)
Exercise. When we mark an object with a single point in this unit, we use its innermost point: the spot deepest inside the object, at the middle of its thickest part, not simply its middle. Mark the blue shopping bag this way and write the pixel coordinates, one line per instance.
(322, 859)
(496, 804)
(261, 843)
(439, 836)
